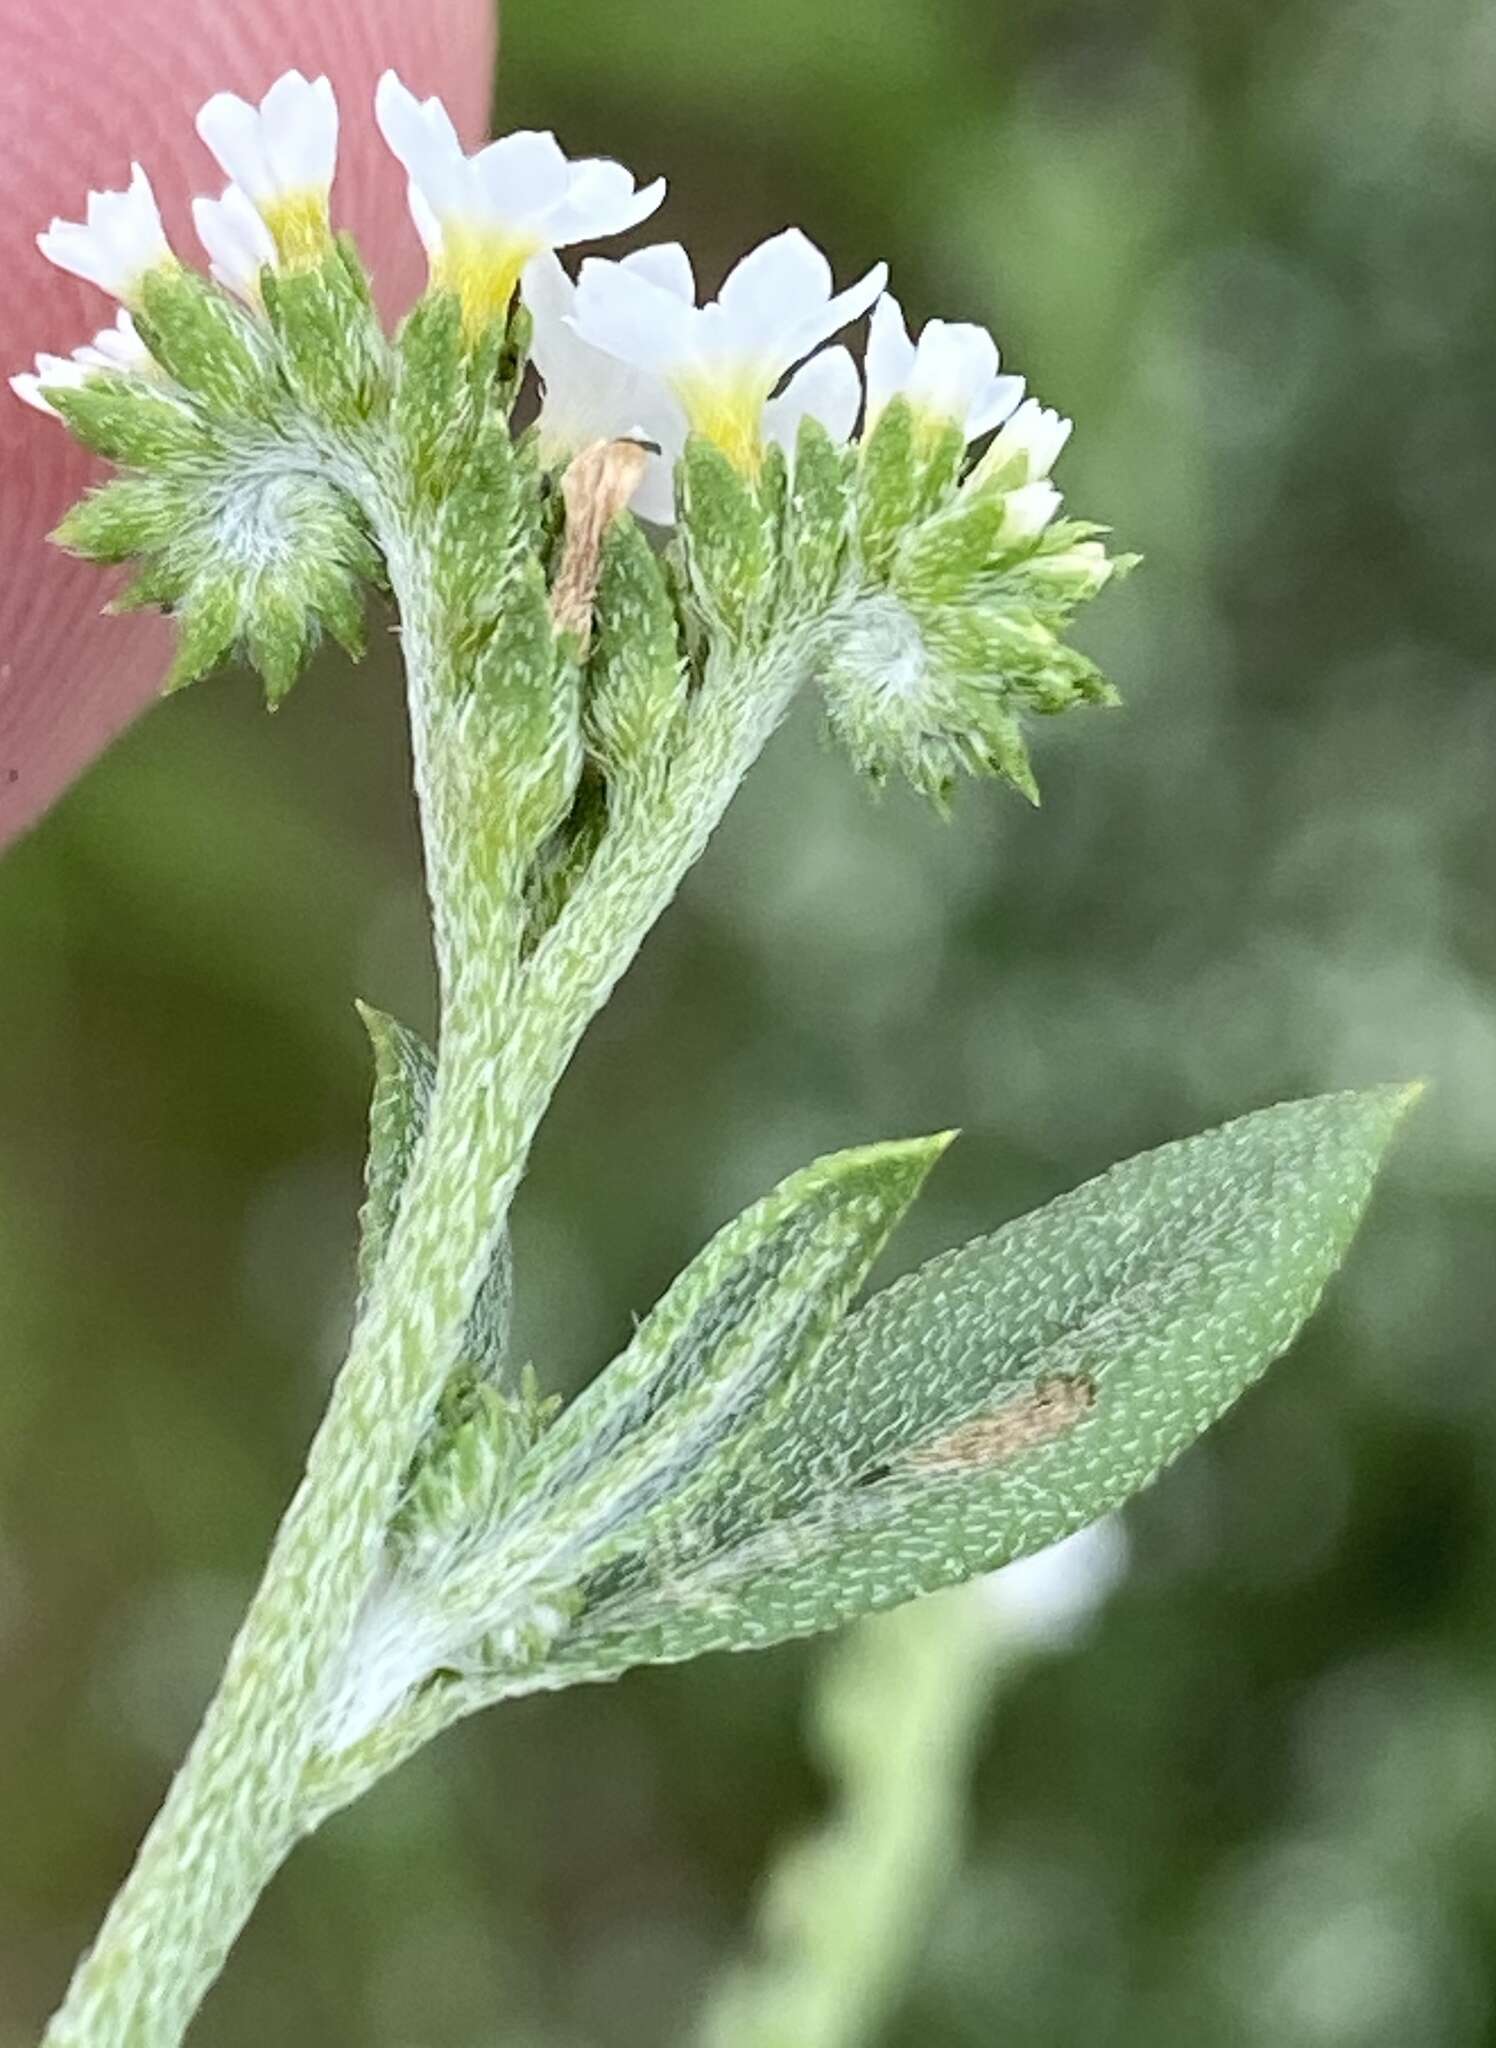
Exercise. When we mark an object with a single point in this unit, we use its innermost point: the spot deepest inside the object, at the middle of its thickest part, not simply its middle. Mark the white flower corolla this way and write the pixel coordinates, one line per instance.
(1028, 510)
(117, 244)
(238, 241)
(589, 395)
(52, 373)
(281, 156)
(1034, 436)
(828, 388)
(1049, 1598)
(484, 217)
(724, 360)
(949, 376)
(116, 350)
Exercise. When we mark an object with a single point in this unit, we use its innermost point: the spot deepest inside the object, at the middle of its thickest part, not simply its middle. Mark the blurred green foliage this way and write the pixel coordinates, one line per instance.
(1250, 247)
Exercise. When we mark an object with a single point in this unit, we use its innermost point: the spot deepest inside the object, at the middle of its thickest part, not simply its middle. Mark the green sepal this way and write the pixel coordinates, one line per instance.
(208, 626)
(888, 487)
(724, 535)
(930, 676)
(940, 453)
(939, 560)
(132, 422)
(1008, 1393)
(997, 745)
(262, 566)
(204, 341)
(636, 679)
(476, 535)
(817, 518)
(336, 600)
(278, 633)
(334, 354)
(526, 754)
(130, 516)
(516, 671)
(430, 411)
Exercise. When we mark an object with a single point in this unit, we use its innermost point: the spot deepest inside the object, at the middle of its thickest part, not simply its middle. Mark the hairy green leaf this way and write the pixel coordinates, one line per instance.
(1006, 1394)
(756, 1306)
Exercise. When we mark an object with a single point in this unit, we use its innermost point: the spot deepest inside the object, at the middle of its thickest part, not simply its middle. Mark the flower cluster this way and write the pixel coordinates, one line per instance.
(625, 351)
(951, 576)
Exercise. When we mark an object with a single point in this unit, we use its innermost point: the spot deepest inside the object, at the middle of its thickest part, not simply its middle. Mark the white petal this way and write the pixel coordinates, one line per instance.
(1036, 433)
(601, 199)
(588, 396)
(827, 388)
(52, 373)
(773, 291)
(120, 239)
(422, 213)
(551, 297)
(667, 265)
(1028, 510)
(420, 135)
(655, 498)
(117, 348)
(521, 176)
(27, 386)
(890, 355)
(953, 365)
(625, 315)
(839, 312)
(232, 130)
(1049, 1597)
(299, 132)
(72, 248)
(238, 243)
(993, 406)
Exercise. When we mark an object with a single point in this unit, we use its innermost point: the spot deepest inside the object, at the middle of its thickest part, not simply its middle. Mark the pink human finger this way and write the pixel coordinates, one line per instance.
(86, 88)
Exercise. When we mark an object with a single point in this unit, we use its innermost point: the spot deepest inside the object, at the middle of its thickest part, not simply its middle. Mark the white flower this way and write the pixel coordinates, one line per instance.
(828, 388)
(117, 350)
(281, 155)
(589, 395)
(1028, 510)
(1049, 1598)
(117, 244)
(1035, 435)
(52, 373)
(949, 376)
(483, 217)
(723, 360)
(239, 244)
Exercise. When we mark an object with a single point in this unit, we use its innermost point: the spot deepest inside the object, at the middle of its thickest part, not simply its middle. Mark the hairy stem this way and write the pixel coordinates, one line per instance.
(240, 1800)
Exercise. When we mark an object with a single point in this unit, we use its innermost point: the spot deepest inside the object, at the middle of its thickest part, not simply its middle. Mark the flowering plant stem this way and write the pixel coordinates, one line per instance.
(762, 1460)
(248, 1788)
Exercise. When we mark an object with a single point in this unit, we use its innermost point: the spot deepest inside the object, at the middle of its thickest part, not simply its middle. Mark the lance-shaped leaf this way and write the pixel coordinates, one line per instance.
(1004, 1395)
(747, 1314)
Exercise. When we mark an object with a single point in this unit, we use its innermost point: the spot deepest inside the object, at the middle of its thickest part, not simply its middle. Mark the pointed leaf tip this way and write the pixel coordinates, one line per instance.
(1009, 1392)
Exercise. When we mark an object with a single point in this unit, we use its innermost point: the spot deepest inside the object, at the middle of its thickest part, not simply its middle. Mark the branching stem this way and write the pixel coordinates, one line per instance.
(250, 1784)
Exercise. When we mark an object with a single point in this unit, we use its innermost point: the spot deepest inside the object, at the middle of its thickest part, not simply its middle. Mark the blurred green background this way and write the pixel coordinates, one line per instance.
(1250, 248)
